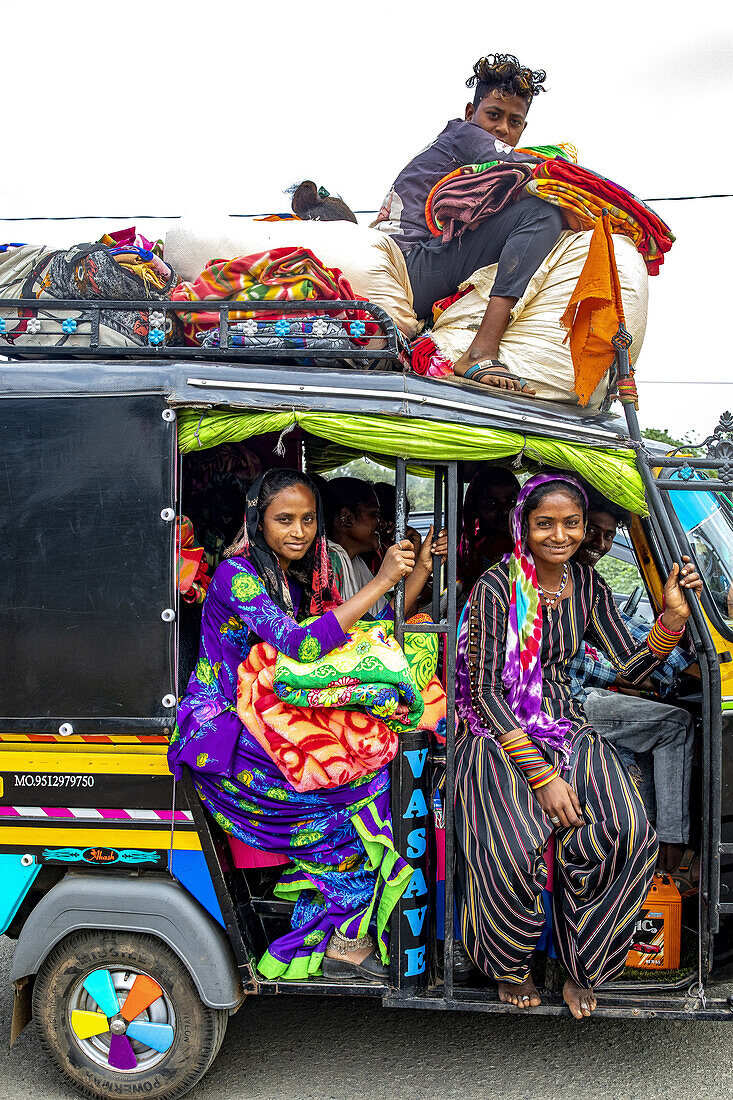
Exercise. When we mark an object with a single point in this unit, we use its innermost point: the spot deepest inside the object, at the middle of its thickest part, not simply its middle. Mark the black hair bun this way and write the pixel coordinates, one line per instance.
(305, 198)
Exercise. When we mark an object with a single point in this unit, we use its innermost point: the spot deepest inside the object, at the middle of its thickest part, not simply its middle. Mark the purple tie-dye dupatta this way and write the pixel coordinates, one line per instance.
(522, 672)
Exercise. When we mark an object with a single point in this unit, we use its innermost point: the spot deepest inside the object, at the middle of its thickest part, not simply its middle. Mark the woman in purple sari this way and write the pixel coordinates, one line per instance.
(345, 875)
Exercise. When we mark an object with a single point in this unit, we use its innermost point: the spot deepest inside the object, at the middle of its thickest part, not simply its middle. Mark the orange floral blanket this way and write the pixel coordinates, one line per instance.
(318, 747)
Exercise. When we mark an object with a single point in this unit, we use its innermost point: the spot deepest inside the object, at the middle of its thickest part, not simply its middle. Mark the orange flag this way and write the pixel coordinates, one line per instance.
(594, 313)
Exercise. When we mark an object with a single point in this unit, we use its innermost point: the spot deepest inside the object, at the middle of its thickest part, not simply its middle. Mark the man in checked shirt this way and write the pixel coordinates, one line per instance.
(637, 724)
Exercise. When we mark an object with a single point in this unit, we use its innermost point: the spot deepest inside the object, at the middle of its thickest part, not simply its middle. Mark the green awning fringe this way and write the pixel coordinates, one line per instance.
(612, 470)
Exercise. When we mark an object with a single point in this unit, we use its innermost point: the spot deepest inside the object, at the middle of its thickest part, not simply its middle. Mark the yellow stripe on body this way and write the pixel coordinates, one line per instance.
(110, 740)
(184, 840)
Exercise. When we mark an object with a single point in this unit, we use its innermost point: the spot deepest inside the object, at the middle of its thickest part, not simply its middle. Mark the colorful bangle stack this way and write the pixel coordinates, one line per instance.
(662, 640)
(524, 754)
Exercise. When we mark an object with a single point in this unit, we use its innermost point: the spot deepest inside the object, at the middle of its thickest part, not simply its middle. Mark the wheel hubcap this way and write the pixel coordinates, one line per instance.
(122, 1020)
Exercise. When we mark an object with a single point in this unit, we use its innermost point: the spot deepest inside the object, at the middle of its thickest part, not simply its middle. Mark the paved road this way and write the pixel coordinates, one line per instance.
(302, 1048)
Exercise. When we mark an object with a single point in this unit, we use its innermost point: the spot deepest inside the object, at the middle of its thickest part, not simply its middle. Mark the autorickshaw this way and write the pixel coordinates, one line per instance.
(136, 933)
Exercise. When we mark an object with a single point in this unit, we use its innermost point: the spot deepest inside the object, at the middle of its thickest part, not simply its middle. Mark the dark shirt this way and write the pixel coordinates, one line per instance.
(402, 215)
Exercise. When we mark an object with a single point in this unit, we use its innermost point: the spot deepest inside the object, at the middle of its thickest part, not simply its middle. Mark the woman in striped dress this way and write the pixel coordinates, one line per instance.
(528, 763)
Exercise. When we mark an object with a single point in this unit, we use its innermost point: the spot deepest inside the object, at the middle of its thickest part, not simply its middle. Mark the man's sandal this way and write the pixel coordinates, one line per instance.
(495, 369)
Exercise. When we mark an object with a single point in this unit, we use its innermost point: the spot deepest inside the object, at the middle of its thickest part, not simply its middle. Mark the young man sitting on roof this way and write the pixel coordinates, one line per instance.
(517, 238)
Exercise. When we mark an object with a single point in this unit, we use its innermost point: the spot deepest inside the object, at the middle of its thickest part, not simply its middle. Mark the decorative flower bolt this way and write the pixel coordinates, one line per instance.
(282, 328)
(249, 327)
(320, 327)
(156, 336)
(69, 326)
(357, 328)
(157, 319)
(34, 325)
(2, 325)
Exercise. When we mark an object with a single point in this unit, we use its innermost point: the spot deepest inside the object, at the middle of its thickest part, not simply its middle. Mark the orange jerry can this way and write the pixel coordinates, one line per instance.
(656, 942)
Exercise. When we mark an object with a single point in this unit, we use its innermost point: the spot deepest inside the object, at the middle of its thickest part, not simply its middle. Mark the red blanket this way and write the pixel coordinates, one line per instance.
(318, 746)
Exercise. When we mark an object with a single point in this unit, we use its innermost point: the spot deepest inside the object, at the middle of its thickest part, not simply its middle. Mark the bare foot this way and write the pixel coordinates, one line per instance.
(580, 1001)
(523, 995)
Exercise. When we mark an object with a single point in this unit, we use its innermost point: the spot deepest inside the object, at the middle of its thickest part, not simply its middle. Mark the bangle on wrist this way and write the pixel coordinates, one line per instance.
(668, 629)
(661, 640)
(538, 771)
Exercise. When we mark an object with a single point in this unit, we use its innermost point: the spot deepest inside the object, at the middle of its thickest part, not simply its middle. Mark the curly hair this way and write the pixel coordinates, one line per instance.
(501, 72)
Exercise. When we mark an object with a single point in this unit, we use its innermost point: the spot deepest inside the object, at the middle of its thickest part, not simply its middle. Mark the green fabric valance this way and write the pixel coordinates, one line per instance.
(611, 470)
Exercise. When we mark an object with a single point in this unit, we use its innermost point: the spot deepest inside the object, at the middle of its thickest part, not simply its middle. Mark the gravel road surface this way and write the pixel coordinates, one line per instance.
(327, 1048)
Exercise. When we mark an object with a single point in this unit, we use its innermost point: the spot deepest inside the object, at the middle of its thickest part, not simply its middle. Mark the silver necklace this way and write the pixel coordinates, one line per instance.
(552, 597)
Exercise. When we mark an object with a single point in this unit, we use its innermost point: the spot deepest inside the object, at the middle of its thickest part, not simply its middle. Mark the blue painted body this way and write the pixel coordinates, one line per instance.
(191, 871)
(15, 882)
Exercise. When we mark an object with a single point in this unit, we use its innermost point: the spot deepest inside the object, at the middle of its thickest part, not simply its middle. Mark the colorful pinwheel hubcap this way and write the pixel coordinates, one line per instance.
(122, 1019)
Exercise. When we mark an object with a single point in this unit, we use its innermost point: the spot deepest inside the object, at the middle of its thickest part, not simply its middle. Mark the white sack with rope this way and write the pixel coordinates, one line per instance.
(370, 260)
(534, 345)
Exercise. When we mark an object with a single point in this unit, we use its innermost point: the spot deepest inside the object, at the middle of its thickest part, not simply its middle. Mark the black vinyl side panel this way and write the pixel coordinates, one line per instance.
(86, 563)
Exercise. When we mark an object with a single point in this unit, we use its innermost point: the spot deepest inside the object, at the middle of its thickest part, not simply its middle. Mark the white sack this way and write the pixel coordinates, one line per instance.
(370, 260)
(533, 345)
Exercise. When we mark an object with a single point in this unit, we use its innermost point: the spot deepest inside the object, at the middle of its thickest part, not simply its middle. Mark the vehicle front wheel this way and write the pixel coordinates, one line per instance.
(120, 1014)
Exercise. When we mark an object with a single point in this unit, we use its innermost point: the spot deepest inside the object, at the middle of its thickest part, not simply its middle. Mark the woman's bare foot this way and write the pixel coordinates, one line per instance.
(524, 995)
(580, 1001)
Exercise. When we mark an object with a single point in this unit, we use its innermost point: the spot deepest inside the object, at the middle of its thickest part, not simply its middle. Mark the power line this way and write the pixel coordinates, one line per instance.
(687, 198)
(264, 214)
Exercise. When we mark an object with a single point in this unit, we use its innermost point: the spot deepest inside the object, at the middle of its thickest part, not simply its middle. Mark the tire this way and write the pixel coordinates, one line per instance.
(178, 1017)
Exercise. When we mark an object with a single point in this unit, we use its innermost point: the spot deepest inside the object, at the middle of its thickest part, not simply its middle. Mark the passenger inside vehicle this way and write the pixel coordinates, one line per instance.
(635, 722)
(353, 520)
(275, 573)
(387, 497)
(529, 764)
(518, 236)
(485, 535)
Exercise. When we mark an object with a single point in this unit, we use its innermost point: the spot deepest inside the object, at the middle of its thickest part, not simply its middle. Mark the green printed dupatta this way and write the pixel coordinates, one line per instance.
(370, 672)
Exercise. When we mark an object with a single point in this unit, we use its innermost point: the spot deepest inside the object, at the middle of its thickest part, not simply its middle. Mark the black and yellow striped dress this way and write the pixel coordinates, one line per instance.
(603, 869)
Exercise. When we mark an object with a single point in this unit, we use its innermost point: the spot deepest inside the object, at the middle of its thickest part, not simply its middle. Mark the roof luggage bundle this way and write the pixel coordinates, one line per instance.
(535, 345)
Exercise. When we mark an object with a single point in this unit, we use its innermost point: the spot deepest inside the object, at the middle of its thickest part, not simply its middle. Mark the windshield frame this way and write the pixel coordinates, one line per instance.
(718, 505)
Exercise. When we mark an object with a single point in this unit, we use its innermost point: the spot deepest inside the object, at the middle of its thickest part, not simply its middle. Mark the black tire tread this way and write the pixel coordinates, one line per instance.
(210, 1024)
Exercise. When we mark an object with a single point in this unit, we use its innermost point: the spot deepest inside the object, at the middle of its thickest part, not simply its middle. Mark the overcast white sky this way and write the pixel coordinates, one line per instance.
(168, 108)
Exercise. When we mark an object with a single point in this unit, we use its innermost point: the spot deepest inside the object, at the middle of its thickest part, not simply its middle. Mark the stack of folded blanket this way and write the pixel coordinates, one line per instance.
(282, 274)
(335, 720)
(471, 194)
(582, 195)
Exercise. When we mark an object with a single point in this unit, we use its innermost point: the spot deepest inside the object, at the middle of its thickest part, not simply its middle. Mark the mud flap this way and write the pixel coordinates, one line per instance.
(22, 990)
